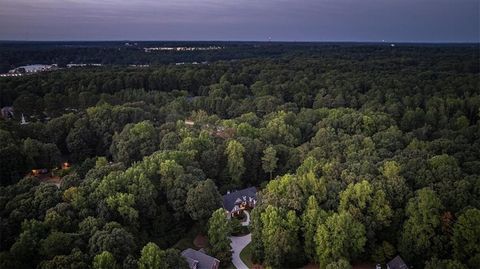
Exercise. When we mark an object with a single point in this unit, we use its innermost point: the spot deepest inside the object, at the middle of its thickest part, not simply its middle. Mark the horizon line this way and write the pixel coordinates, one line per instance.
(246, 41)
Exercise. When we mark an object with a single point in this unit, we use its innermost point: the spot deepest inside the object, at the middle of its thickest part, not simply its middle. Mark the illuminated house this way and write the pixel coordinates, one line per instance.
(237, 201)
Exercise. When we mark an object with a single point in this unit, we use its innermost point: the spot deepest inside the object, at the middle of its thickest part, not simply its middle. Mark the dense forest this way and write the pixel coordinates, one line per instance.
(360, 152)
(13, 54)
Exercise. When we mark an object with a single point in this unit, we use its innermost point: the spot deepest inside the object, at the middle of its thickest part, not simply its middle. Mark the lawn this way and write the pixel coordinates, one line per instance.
(246, 255)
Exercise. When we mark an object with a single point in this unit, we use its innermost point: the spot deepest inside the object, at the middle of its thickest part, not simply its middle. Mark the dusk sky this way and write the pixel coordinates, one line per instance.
(282, 20)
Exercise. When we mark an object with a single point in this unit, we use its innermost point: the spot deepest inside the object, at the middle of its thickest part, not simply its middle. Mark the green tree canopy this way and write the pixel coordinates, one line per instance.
(420, 236)
(152, 257)
(105, 260)
(367, 205)
(466, 237)
(280, 236)
(134, 142)
(269, 160)
(236, 167)
(203, 200)
(340, 237)
(218, 232)
(311, 218)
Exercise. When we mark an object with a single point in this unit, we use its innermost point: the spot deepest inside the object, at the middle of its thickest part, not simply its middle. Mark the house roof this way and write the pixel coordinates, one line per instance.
(230, 199)
(202, 260)
(238, 201)
(397, 263)
(191, 262)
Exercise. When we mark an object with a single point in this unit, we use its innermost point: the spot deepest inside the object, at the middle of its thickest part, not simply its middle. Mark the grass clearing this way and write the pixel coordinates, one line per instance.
(246, 255)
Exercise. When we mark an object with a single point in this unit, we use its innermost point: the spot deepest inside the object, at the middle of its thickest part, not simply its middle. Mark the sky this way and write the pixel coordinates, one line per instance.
(242, 20)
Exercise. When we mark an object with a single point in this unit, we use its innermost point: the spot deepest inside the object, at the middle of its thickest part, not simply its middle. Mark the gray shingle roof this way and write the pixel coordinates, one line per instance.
(230, 198)
(397, 263)
(202, 260)
(191, 262)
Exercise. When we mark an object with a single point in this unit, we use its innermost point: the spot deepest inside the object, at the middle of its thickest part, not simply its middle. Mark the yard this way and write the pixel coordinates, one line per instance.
(246, 255)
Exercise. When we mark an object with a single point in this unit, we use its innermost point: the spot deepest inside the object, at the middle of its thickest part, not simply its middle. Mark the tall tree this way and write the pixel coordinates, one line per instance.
(218, 232)
(134, 142)
(256, 229)
(236, 168)
(56, 243)
(279, 235)
(105, 260)
(466, 237)
(13, 164)
(152, 257)
(367, 205)
(40, 155)
(285, 192)
(311, 218)
(203, 200)
(394, 184)
(113, 239)
(269, 160)
(340, 237)
(420, 236)
(81, 140)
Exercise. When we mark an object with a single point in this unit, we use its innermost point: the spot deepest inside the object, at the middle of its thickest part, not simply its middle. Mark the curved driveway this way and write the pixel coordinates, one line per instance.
(239, 243)
(247, 221)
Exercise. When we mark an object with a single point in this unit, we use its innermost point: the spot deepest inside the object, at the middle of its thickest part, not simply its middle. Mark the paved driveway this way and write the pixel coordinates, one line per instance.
(247, 221)
(239, 243)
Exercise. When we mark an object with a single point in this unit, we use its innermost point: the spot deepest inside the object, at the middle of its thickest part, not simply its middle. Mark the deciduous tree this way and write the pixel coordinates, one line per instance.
(105, 260)
(340, 237)
(218, 232)
(202, 200)
(152, 257)
(311, 218)
(466, 237)
(269, 160)
(236, 167)
(420, 236)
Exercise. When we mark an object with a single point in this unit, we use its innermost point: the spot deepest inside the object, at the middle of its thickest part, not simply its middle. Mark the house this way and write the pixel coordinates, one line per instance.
(65, 165)
(223, 132)
(397, 263)
(7, 112)
(199, 260)
(237, 201)
(39, 172)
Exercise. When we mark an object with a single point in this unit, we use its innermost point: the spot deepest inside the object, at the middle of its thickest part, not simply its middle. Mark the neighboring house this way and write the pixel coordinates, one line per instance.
(223, 132)
(237, 201)
(38, 172)
(397, 263)
(199, 260)
(7, 112)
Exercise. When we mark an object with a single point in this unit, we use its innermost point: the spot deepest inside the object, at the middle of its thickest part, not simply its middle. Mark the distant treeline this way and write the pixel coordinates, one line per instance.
(14, 54)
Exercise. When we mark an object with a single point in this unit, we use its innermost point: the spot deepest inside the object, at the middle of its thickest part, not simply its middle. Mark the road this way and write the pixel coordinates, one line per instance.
(239, 243)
